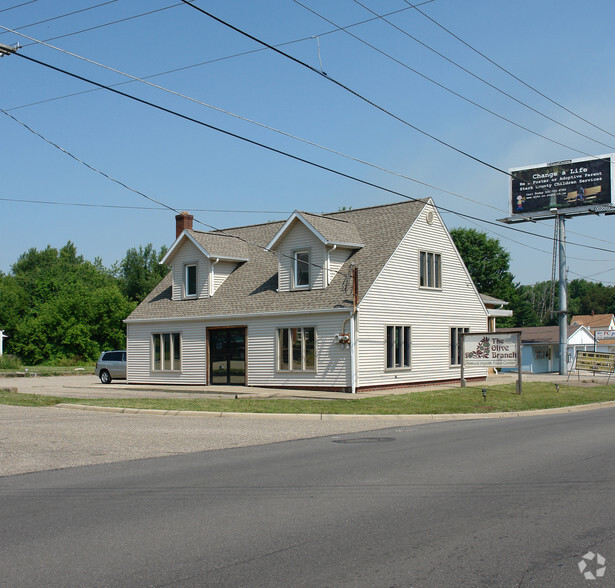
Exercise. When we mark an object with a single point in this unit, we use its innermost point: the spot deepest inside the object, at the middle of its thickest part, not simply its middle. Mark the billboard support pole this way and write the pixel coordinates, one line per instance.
(563, 298)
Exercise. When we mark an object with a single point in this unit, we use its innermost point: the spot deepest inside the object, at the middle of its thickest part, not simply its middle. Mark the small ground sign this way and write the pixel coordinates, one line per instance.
(593, 361)
(496, 350)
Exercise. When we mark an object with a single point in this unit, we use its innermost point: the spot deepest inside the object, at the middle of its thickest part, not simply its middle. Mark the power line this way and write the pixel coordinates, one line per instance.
(467, 71)
(247, 140)
(512, 75)
(443, 86)
(126, 207)
(61, 16)
(348, 89)
(18, 5)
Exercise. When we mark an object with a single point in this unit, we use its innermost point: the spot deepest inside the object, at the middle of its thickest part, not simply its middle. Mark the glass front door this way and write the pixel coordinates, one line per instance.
(227, 356)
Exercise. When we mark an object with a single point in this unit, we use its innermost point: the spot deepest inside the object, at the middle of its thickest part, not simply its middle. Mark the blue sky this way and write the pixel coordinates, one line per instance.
(560, 48)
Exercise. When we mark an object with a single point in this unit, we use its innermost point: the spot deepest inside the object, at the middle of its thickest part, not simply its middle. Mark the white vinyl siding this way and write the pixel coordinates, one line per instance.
(140, 365)
(300, 238)
(394, 299)
(337, 258)
(188, 254)
(332, 360)
(222, 270)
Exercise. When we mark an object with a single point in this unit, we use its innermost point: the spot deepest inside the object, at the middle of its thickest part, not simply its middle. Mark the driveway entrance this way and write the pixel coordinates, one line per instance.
(227, 356)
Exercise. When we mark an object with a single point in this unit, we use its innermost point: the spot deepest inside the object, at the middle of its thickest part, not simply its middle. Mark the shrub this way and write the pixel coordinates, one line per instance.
(10, 362)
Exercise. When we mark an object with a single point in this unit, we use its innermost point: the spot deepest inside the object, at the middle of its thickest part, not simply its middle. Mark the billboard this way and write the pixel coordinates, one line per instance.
(490, 349)
(573, 184)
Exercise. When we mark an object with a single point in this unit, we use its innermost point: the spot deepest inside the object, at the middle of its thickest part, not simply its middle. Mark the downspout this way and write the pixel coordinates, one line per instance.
(329, 251)
(211, 276)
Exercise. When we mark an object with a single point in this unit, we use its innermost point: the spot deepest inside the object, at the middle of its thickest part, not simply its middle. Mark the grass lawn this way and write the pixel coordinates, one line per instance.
(52, 370)
(501, 398)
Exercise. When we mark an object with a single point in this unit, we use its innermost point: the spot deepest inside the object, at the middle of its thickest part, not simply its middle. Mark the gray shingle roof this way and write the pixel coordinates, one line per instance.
(334, 230)
(252, 287)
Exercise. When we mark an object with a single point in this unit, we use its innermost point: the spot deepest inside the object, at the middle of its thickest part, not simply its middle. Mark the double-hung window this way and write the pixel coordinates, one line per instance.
(296, 349)
(398, 347)
(455, 347)
(166, 352)
(190, 281)
(430, 270)
(301, 269)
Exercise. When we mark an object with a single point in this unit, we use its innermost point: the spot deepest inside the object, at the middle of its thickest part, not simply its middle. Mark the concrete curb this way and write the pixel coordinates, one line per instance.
(332, 417)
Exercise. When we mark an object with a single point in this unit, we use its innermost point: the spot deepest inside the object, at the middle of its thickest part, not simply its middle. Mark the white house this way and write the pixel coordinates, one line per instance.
(351, 300)
(540, 347)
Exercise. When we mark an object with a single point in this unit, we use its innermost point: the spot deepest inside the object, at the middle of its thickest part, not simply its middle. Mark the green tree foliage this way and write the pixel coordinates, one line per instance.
(487, 261)
(140, 271)
(586, 297)
(55, 306)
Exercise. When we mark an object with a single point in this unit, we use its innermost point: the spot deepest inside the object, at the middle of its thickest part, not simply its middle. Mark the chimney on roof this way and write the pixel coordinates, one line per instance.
(183, 221)
(592, 313)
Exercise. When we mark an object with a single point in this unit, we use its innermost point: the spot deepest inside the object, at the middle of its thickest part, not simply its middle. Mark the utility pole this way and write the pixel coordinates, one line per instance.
(7, 49)
(563, 298)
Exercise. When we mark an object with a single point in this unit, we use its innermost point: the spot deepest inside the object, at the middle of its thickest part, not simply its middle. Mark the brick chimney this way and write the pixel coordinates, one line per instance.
(183, 221)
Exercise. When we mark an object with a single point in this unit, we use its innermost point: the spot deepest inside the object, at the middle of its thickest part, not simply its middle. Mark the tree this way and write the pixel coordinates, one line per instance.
(140, 271)
(57, 307)
(487, 261)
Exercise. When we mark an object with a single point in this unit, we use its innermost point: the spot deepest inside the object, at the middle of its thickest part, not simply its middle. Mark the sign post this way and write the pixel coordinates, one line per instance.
(491, 350)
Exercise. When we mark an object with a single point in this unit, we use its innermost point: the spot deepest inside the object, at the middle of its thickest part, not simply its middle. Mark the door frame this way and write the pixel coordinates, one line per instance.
(245, 355)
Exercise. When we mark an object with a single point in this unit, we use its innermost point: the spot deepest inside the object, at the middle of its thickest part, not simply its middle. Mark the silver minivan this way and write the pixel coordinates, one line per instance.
(111, 365)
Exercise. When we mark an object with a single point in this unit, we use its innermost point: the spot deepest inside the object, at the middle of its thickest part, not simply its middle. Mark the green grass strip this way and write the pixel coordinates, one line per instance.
(501, 398)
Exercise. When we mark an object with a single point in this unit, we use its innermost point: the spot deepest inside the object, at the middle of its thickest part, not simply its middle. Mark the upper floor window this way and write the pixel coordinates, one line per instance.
(301, 277)
(190, 280)
(430, 270)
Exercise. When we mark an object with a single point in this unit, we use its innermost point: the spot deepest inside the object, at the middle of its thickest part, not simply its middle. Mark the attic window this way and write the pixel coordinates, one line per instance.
(190, 281)
(301, 269)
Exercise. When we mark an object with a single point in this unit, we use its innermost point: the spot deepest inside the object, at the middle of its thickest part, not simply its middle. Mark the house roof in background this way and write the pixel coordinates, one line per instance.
(592, 321)
(541, 335)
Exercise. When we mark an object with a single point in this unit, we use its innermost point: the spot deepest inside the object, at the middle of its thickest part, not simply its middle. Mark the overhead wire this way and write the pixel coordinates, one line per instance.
(346, 88)
(448, 89)
(126, 207)
(506, 71)
(258, 144)
(484, 81)
(33, 24)
(18, 5)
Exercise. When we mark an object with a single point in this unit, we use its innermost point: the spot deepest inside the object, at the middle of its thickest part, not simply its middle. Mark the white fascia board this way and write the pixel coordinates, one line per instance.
(184, 234)
(499, 312)
(239, 316)
(296, 215)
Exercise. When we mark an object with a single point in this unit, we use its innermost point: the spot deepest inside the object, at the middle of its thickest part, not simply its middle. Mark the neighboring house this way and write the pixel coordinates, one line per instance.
(357, 299)
(495, 308)
(540, 347)
(598, 322)
(593, 322)
(2, 338)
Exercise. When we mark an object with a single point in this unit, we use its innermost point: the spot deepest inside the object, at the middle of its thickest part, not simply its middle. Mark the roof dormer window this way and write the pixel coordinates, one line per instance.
(190, 281)
(301, 268)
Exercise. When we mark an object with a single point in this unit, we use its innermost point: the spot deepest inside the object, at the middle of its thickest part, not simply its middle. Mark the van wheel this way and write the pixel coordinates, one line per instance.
(105, 377)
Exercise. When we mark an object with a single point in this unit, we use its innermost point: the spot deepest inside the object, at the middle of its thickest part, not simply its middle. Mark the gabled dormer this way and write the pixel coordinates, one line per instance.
(200, 262)
(311, 250)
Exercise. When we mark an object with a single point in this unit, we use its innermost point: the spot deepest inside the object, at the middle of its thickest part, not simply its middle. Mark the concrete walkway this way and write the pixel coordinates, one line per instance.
(89, 386)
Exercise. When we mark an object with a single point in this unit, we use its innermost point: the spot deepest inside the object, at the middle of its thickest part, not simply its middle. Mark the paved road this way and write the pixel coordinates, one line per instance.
(35, 439)
(511, 502)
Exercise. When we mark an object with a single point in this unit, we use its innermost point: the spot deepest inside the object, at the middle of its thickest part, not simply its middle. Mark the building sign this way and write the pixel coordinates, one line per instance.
(592, 361)
(490, 349)
(575, 183)
(608, 334)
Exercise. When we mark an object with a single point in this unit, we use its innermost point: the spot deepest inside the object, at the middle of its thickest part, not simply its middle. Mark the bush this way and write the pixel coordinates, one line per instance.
(10, 362)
